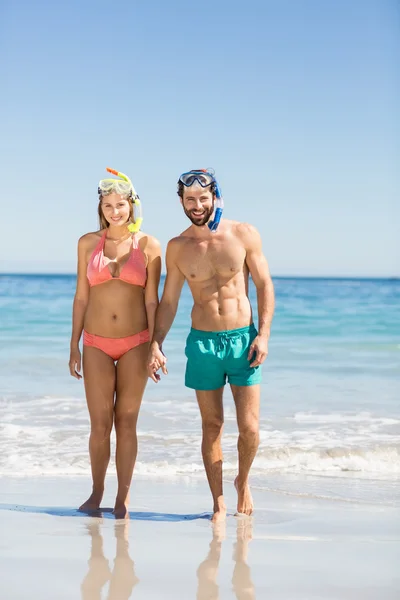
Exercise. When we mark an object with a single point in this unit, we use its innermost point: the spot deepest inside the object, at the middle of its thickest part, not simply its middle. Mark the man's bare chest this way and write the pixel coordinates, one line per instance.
(201, 261)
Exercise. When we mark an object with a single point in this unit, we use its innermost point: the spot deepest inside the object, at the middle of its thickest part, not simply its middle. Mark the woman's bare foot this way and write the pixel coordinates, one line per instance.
(219, 511)
(121, 508)
(245, 501)
(93, 502)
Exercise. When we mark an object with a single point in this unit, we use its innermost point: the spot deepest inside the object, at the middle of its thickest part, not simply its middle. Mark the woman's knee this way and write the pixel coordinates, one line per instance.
(101, 428)
(125, 422)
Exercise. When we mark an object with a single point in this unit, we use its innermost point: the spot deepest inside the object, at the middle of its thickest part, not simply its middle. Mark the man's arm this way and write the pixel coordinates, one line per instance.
(166, 311)
(259, 271)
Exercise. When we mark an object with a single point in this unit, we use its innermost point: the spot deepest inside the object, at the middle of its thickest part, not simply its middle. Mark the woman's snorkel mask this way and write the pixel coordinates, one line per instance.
(205, 177)
(124, 187)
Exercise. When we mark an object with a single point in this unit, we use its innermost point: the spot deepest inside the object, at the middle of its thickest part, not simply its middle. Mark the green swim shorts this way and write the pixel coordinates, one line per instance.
(213, 357)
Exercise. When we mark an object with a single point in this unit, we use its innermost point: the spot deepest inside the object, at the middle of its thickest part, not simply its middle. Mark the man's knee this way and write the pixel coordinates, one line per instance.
(212, 427)
(249, 431)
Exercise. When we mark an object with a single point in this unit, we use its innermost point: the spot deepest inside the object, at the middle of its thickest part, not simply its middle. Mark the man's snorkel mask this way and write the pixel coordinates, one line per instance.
(205, 177)
(124, 187)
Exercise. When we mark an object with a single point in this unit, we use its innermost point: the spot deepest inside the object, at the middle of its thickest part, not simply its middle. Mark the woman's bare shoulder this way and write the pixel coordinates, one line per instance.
(88, 239)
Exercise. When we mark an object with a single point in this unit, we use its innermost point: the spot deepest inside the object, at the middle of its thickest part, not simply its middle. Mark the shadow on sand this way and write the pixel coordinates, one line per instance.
(106, 513)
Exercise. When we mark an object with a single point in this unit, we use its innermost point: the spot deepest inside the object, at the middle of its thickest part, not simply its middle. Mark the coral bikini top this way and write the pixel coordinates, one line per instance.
(133, 271)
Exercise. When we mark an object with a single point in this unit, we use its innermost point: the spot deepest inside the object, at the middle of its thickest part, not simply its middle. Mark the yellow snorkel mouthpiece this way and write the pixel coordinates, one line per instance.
(133, 227)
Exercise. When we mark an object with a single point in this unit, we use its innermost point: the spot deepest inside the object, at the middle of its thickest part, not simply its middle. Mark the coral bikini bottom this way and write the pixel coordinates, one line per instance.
(115, 347)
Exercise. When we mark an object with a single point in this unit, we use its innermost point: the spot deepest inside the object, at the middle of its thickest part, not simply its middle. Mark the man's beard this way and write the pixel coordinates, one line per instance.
(197, 221)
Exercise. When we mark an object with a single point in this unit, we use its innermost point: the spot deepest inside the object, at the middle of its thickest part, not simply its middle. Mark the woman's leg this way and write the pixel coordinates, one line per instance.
(131, 383)
(99, 378)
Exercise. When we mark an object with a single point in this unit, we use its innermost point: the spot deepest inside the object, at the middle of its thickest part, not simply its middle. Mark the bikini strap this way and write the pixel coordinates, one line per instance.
(99, 247)
(103, 238)
(135, 244)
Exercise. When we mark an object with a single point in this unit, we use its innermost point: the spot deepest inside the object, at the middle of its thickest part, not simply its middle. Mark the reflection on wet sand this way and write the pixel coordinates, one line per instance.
(207, 572)
(122, 577)
(241, 578)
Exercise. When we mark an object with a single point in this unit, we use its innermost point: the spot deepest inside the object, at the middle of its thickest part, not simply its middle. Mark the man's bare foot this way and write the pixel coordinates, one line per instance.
(218, 516)
(93, 502)
(121, 510)
(219, 511)
(245, 501)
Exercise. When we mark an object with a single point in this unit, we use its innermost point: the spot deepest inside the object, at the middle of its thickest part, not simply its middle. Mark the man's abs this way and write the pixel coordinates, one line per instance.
(220, 306)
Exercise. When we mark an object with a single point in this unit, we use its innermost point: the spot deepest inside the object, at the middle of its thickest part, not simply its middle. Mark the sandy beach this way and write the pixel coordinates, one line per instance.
(291, 548)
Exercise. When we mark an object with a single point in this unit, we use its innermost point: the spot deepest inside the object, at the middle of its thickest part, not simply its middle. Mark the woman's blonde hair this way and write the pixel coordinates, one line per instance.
(103, 223)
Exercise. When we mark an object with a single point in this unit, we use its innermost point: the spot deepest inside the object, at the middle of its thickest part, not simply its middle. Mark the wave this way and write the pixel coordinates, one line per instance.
(381, 462)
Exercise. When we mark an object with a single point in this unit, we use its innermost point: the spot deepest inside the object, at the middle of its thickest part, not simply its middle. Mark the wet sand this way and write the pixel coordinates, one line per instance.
(291, 547)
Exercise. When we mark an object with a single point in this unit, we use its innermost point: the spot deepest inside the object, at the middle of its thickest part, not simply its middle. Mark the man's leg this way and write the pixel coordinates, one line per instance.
(212, 416)
(247, 401)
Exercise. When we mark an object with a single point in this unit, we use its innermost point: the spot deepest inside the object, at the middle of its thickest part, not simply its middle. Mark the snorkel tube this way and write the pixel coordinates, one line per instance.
(133, 227)
(219, 207)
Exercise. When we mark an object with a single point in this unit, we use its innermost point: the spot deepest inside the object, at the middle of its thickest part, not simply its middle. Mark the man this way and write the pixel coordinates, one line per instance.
(215, 257)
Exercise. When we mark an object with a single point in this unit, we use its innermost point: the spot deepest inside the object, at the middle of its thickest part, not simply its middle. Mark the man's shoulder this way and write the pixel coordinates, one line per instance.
(180, 239)
(176, 243)
(242, 230)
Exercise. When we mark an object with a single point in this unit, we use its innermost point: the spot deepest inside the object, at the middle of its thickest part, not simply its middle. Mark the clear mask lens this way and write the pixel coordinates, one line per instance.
(110, 186)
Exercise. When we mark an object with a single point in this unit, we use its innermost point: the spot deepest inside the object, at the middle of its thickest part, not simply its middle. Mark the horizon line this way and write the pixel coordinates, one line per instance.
(328, 277)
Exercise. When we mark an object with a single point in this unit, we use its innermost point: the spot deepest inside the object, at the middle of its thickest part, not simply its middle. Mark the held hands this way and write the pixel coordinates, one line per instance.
(157, 360)
(260, 348)
(75, 363)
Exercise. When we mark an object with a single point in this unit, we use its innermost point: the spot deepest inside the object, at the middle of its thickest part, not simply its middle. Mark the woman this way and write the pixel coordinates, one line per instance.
(115, 303)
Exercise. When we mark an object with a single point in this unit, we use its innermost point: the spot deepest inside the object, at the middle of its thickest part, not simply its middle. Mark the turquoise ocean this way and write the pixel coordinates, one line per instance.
(330, 398)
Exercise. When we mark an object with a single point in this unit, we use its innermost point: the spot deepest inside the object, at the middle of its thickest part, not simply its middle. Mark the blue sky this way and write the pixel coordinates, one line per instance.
(295, 103)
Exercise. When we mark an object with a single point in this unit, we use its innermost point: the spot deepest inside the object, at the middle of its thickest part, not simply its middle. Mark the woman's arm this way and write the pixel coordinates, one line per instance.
(153, 251)
(79, 308)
